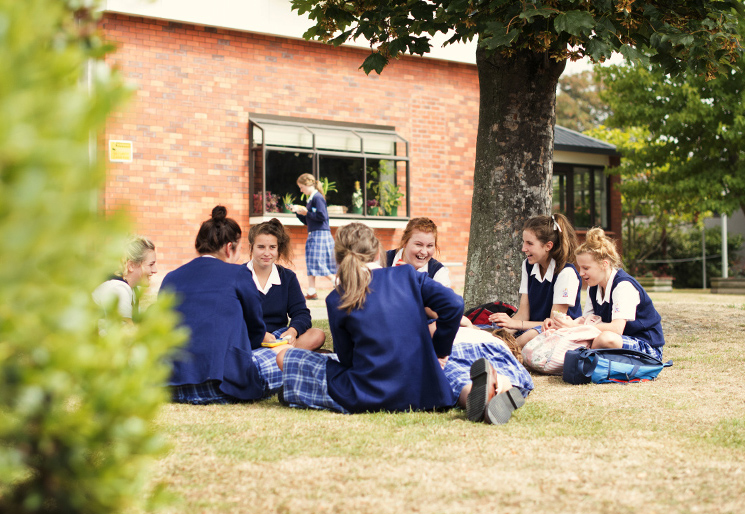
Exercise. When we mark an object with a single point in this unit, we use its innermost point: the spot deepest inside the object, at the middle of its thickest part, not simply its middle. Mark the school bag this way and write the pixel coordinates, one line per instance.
(480, 315)
(582, 366)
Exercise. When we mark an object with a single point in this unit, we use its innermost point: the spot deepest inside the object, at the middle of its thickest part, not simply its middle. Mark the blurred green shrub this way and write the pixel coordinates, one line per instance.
(76, 406)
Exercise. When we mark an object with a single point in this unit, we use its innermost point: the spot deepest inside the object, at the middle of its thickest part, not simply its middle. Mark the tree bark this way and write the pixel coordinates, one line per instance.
(513, 170)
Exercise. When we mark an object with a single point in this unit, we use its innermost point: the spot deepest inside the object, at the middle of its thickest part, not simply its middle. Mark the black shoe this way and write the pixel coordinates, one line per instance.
(281, 396)
(500, 408)
(482, 389)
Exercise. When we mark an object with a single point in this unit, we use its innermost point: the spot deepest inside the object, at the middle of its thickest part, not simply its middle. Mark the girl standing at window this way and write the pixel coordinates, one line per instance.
(549, 282)
(319, 247)
(281, 295)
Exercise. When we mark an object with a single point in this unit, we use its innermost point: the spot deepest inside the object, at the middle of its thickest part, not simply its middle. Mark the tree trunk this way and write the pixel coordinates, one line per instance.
(513, 170)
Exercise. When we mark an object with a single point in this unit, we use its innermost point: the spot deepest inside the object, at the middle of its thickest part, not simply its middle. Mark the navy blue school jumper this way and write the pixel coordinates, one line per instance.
(541, 295)
(433, 265)
(221, 307)
(387, 359)
(319, 247)
(648, 323)
(283, 300)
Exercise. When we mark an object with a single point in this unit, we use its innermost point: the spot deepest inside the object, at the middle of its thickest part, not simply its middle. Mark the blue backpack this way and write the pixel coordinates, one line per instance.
(582, 366)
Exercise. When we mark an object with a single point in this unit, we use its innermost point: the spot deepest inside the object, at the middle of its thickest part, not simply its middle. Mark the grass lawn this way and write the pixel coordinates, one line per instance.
(673, 445)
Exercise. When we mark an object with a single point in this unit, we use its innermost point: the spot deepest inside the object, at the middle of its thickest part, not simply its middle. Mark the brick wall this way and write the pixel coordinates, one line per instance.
(189, 123)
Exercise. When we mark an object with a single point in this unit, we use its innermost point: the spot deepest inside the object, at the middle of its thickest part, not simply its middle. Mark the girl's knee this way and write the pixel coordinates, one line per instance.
(607, 340)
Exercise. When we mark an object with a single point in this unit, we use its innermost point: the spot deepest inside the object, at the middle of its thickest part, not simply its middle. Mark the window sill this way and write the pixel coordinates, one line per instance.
(290, 220)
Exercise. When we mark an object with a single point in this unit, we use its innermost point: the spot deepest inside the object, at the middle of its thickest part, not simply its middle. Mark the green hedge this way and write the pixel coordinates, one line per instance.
(77, 407)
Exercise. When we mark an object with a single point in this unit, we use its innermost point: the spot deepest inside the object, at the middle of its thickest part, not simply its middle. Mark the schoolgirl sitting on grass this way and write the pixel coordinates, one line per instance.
(281, 296)
(549, 281)
(385, 357)
(629, 319)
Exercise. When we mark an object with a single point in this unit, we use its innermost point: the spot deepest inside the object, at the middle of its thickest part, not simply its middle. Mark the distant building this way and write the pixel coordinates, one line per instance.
(232, 105)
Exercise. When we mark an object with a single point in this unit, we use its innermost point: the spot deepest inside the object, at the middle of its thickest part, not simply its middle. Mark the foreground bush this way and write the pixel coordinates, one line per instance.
(76, 407)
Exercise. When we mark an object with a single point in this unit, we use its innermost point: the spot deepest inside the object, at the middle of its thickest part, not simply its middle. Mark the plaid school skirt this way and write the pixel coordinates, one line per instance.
(208, 393)
(640, 345)
(458, 367)
(319, 254)
(305, 384)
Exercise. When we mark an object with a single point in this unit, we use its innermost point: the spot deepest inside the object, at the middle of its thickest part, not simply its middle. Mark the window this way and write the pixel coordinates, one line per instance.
(581, 193)
(365, 167)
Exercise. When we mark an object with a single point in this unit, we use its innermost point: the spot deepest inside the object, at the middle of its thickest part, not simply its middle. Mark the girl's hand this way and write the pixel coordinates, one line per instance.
(269, 337)
(301, 210)
(561, 320)
(291, 335)
(501, 319)
(443, 361)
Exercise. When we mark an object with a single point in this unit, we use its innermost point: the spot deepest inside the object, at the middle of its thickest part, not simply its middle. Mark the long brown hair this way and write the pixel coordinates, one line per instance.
(355, 245)
(560, 232)
(273, 227)
(217, 231)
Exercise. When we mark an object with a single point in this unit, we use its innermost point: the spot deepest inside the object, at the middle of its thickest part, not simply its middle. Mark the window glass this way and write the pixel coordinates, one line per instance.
(282, 171)
(583, 214)
(384, 190)
(384, 144)
(283, 135)
(342, 174)
(340, 140)
(601, 199)
(560, 193)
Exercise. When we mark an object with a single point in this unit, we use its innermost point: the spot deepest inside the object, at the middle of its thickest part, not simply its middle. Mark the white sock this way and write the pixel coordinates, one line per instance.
(311, 290)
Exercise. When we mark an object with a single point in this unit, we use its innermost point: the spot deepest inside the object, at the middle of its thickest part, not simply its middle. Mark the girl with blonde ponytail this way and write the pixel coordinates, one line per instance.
(319, 257)
(385, 357)
(629, 319)
(550, 282)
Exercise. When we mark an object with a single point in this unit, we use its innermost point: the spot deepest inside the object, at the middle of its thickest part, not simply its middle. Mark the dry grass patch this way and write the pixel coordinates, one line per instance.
(673, 445)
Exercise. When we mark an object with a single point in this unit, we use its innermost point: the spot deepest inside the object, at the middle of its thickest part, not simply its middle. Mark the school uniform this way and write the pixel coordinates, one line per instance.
(563, 288)
(116, 288)
(282, 297)
(221, 307)
(319, 247)
(625, 298)
(433, 268)
(385, 358)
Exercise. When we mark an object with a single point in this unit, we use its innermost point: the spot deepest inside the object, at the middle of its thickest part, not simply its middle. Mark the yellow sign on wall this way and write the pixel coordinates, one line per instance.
(120, 151)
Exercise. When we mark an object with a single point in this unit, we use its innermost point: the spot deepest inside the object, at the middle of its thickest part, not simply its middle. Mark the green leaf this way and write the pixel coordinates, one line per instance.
(575, 23)
(374, 62)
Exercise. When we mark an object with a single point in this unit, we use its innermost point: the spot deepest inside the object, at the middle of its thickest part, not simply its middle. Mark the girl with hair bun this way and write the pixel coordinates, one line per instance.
(281, 295)
(138, 265)
(223, 361)
(385, 357)
(319, 247)
(549, 281)
(629, 319)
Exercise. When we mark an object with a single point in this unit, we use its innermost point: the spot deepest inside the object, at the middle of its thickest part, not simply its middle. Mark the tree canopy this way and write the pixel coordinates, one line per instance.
(692, 151)
(529, 43)
(578, 103)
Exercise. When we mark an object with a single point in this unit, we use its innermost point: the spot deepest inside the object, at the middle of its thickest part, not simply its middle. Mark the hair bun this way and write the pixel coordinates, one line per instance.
(219, 213)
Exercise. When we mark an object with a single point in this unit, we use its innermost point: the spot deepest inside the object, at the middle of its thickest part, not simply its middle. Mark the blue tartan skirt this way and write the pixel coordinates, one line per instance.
(640, 345)
(319, 254)
(209, 393)
(305, 384)
(458, 367)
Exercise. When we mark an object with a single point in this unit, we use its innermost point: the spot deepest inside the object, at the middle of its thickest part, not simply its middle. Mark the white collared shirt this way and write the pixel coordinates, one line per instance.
(565, 288)
(442, 276)
(625, 299)
(273, 279)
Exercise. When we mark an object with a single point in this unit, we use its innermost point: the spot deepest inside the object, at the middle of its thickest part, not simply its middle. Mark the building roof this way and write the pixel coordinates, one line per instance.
(571, 141)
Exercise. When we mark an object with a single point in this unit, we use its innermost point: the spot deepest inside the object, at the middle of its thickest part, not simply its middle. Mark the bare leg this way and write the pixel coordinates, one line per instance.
(311, 340)
(607, 339)
(281, 350)
(311, 283)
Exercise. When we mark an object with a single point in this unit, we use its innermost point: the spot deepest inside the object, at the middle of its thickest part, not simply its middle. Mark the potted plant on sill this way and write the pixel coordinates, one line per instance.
(357, 199)
(287, 201)
(372, 207)
(390, 196)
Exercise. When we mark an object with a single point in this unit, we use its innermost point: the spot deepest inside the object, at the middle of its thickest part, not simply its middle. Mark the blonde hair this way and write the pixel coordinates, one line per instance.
(601, 247)
(135, 252)
(354, 246)
(560, 232)
(307, 179)
(422, 225)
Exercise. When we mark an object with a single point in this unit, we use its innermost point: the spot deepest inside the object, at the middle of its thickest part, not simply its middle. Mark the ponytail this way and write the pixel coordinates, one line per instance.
(601, 247)
(306, 179)
(557, 229)
(355, 245)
